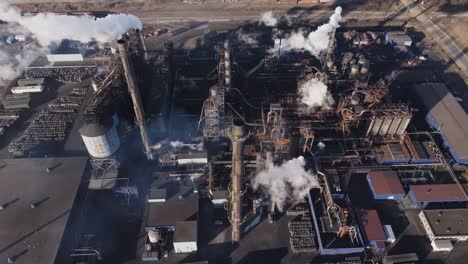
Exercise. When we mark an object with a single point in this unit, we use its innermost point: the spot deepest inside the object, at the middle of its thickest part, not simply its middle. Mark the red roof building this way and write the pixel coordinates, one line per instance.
(373, 228)
(385, 185)
(421, 195)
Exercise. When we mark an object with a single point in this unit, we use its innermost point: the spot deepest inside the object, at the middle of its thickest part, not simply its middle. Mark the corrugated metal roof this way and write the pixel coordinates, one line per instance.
(438, 192)
(449, 115)
(386, 182)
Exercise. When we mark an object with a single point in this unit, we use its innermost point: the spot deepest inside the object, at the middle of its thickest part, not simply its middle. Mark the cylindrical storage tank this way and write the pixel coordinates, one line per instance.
(385, 126)
(403, 125)
(354, 70)
(154, 236)
(101, 139)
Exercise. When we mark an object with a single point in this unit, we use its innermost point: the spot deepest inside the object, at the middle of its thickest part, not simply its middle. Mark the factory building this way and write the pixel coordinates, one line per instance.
(40, 211)
(421, 195)
(65, 58)
(444, 226)
(373, 229)
(185, 237)
(446, 116)
(385, 185)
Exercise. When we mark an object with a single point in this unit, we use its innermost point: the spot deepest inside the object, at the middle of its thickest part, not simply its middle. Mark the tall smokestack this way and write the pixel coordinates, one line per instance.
(136, 98)
(237, 136)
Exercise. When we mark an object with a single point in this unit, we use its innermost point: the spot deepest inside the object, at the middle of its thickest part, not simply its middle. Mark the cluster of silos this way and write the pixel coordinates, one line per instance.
(357, 66)
(100, 138)
(389, 124)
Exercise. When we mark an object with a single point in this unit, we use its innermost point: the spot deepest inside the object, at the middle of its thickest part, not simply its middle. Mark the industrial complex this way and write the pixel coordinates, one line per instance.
(280, 139)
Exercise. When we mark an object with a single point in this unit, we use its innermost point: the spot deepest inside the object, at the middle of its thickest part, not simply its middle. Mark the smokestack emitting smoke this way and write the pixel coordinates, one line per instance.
(288, 182)
(268, 19)
(318, 40)
(314, 94)
(49, 28)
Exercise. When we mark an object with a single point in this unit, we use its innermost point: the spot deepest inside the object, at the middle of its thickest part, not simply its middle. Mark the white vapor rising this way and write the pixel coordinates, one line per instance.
(314, 93)
(268, 19)
(12, 65)
(286, 183)
(49, 28)
(317, 40)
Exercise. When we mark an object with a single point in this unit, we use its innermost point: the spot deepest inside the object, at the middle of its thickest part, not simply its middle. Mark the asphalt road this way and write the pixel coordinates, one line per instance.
(439, 36)
(223, 15)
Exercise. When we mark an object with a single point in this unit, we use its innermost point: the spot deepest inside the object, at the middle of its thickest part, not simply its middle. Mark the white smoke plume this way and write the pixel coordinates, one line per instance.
(287, 183)
(316, 41)
(49, 28)
(247, 39)
(268, 19)
(314, 93)
(13, 65)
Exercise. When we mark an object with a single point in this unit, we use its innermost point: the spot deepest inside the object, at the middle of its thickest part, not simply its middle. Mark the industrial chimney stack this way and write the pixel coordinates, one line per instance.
(237, 136)
(136, 98)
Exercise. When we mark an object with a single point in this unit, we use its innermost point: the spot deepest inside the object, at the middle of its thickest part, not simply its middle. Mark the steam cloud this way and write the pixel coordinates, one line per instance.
(318, 40)
(286, 183)
(268, 19)
(49, 28)
(314, 93)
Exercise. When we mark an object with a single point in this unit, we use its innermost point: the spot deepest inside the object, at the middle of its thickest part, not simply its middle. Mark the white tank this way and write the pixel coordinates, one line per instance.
(101, 140)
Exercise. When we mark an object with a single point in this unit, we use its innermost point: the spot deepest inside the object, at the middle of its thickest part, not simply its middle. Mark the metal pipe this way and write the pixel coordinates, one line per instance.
(237, 136)
(136, 98)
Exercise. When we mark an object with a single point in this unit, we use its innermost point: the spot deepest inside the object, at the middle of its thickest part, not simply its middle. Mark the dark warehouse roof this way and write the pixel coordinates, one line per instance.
(185, 231)
(34, 235)
(448, 222)
(447, 112)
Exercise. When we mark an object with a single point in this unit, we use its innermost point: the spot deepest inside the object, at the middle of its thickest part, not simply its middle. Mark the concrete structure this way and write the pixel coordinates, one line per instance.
(39, 216)
(385, 185)
(101, 139)
(442, 245)
(185, 237)
(136, 97)
(192, 158)
(445, 224)
(399, 38)
(422, 195)
(373, 229)
(27, 89)
(447, 116)
(64, 57)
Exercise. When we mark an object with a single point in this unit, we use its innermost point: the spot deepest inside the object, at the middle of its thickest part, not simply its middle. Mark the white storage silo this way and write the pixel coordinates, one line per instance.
(101, 139)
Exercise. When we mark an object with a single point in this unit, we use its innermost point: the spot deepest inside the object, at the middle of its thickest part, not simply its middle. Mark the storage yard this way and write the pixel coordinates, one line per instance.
(274, 140)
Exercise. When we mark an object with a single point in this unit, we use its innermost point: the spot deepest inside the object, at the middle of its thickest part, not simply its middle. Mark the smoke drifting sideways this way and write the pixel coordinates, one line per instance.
(268, 19)
(287, 183)
(49, 28)
(316, 41)
(314, 93)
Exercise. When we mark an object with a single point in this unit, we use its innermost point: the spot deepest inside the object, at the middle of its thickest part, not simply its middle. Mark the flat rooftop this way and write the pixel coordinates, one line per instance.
(181, 202)
(35, 234)
(448, 222)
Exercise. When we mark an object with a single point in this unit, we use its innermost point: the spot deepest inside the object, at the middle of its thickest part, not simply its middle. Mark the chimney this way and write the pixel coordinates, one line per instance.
(237, 136)
(136, 98)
